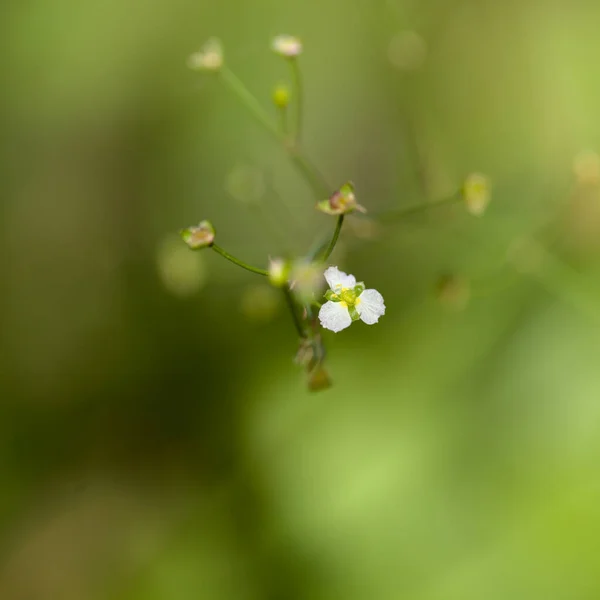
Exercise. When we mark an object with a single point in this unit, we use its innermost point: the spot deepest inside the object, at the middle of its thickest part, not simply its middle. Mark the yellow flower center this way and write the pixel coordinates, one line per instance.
(348, 296)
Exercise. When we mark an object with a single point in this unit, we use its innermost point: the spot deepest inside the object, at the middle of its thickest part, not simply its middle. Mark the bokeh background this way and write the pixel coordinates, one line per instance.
(156, 439)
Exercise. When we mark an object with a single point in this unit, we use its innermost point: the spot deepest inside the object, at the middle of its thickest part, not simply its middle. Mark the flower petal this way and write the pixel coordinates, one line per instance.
(334, 316)
(338, 279)
(370, 306)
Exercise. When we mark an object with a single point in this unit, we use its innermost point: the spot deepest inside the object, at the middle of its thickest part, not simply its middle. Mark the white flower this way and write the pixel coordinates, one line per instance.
(208, 58)
(348, 301)
(287, 46)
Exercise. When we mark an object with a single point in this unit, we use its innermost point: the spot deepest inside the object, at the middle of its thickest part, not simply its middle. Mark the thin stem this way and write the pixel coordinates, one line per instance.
(237, 261)
(299, 95)
(315, 180)
(245, 95)
(396, 215)
(293, 309)
(284, 122)
(334, 238)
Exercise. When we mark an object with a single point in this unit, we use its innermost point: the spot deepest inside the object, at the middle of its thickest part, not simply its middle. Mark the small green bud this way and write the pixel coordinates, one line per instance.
(200, 236)
(476, 193)
(281, 96)
(341, 202)
(279, 271)
(208, 58)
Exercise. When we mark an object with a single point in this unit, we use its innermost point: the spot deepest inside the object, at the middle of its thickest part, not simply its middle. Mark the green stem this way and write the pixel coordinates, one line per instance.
(293, 309)
(400, 213)
(237, 261)
(315, 180)
(334, 238)
(245, 95)
(283, 121)
(299, 96)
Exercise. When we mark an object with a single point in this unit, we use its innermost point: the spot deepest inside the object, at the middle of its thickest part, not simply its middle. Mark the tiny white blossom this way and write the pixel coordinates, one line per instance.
(208, 58)
(348, 301)
(288, 46)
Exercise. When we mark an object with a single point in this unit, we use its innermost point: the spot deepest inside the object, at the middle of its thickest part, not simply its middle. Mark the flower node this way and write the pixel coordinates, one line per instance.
(341, 202)
(199, 236)
(279, 271)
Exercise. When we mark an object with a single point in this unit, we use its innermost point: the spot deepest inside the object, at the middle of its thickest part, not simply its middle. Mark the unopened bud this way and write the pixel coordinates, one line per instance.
(341, 202)
(281, 96)
(476, 193)
(199, 236)
(208, 58)
(279, 270)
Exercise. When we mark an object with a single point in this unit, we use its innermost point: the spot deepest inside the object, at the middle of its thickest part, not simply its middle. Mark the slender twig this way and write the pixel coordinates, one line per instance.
(237, 261)
(334, 238)
(293, 309)
(245, 95)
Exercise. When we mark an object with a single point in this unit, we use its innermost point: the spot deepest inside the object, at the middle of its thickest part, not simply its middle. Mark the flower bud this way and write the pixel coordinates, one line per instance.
(281, 96)
(208, 58)
(287, 46)
(279, 270)
(200, 236)
(341, 202)
(476, 193)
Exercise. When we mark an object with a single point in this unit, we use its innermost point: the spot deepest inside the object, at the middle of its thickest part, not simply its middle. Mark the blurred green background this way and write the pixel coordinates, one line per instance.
(157, 440)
